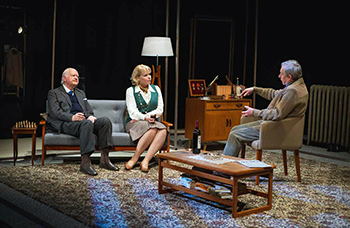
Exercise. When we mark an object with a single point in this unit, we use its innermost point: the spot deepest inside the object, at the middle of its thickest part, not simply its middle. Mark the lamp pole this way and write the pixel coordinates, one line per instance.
(177, 72)
(166, 64)
(53, 46)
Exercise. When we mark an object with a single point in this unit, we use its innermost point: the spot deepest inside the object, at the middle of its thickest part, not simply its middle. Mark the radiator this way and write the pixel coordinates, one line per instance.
(329, 116)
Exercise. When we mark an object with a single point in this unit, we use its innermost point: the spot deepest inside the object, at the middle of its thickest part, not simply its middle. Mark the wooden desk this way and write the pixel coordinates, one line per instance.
(234, 169)
(23, 131)
(216, 117)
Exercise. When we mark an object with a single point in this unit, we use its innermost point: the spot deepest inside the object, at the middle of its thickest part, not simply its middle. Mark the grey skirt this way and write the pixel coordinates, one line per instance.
(140, 127)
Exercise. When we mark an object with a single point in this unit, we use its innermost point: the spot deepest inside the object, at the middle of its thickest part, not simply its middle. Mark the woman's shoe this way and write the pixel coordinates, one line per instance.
(144, 168)
(129, 165)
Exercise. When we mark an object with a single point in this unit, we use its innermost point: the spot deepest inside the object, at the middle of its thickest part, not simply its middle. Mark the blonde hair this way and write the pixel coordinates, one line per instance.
(138, 71)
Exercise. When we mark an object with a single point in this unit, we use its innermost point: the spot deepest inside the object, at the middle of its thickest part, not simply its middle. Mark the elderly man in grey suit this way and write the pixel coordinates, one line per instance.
(70, 113)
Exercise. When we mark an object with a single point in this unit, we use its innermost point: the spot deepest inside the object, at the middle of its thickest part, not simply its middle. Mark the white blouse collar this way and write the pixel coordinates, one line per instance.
(150, 88)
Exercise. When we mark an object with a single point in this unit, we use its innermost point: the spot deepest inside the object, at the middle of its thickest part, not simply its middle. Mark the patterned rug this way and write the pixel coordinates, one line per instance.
(131, 199)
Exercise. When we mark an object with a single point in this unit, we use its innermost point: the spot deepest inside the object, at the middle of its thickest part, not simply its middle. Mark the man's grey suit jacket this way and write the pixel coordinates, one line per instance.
(59, 105)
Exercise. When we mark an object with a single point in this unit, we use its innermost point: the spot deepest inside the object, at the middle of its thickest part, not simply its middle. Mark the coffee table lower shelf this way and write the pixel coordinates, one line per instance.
(233, 182)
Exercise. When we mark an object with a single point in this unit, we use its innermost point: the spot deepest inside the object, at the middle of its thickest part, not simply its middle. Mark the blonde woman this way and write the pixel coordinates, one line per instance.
(144, 104)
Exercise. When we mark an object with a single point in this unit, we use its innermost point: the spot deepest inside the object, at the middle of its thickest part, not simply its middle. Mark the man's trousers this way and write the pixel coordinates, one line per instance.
(85, 130)
(245, 133)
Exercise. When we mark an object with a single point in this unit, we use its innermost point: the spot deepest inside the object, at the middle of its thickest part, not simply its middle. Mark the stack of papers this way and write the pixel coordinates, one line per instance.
(253, 163)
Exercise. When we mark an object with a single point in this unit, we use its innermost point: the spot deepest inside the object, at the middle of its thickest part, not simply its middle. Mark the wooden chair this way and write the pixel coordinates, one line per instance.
(282, 135)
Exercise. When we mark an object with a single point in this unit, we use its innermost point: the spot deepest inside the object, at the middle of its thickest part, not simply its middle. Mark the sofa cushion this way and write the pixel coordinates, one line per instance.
(113, 109)
(122, 139)
(56, 139)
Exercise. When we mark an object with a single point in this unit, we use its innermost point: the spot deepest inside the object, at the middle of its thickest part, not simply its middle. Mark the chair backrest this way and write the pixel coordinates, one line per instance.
(113, 109)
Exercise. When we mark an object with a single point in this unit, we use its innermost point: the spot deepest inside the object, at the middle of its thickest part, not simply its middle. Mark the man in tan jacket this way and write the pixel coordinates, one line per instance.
(285, 103)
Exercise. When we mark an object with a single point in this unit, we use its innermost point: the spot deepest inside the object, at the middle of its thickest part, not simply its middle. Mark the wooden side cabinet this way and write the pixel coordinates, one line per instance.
(216, 117)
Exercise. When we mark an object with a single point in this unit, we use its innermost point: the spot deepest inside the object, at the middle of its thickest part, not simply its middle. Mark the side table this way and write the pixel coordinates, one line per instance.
(23, 131)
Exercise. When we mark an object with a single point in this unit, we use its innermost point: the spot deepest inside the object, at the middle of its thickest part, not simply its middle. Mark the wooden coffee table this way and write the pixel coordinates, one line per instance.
(233, 169)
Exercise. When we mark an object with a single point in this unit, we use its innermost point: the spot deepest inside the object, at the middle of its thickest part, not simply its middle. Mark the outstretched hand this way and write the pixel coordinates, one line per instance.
(248, 91)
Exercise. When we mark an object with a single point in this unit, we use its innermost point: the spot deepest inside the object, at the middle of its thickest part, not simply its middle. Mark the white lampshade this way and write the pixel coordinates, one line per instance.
(157, 46)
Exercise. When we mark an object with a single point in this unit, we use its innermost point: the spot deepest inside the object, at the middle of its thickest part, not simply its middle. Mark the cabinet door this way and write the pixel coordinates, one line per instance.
(217, 125)
(234, 117)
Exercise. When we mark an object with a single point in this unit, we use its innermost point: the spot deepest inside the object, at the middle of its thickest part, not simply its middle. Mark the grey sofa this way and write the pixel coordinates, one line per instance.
(115, 110)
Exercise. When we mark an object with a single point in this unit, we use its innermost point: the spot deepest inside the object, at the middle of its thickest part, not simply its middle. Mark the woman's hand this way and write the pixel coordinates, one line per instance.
(149, 119)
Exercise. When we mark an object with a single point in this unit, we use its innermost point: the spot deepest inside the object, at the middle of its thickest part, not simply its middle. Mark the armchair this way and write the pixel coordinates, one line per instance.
(283, 135)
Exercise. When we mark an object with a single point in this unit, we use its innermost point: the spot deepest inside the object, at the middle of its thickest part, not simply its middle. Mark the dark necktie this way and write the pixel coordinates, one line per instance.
(75, 104)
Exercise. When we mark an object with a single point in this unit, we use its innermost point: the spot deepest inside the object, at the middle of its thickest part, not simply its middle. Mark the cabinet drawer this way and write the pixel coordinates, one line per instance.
(226, 105)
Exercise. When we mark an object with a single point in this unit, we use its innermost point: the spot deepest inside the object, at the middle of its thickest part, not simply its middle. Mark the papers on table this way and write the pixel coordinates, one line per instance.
(253, 163)
(213, 159)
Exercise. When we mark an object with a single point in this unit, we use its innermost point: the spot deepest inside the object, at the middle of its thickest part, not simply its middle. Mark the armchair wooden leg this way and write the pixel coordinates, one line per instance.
(297, 164)
(285, 166)
(258, 157)
(243, 151)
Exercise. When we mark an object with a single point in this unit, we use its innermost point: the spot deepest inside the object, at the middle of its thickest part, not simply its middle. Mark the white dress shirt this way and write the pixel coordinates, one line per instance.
(131, 105)
(66, 89)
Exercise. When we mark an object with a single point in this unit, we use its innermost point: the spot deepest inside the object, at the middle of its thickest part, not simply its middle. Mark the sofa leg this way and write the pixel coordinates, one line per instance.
(297, 164)
(243, 151)
(43, 155)
(258, 157)
(285, 166)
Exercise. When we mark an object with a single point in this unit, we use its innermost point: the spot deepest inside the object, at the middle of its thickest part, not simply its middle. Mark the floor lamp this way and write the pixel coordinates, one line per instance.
(157, 47)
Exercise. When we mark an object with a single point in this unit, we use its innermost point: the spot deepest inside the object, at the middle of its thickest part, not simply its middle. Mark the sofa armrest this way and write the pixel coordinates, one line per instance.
(43, 124)
(167, 124)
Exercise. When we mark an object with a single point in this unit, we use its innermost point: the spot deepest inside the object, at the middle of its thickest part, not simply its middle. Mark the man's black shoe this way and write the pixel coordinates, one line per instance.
(108, 166)
(88, 170)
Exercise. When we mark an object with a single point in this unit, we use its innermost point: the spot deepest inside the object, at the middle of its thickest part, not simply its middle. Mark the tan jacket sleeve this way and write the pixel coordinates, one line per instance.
(283, 102)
